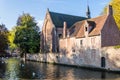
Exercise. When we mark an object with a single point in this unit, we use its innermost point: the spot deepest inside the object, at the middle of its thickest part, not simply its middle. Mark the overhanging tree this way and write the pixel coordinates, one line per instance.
(11, 36)
(27, 36)
(3, 39)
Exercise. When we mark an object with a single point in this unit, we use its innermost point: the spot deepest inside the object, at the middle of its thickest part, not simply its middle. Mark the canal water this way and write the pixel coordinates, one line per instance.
(14, 69)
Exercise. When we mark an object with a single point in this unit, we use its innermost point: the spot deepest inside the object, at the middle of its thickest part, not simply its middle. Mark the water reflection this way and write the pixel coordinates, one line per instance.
(18, 70)
(12, 71)
(103, 75)
(2, 69)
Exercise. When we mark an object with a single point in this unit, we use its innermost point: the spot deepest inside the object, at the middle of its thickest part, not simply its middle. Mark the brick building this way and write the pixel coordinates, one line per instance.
(52, 29)
(101, 30)
(82, 41)
(90, 41)
(93, 33)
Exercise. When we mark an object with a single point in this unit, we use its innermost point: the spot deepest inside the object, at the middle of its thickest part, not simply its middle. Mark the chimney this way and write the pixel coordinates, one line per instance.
(110, 10)
(68, 33)
(64, 30)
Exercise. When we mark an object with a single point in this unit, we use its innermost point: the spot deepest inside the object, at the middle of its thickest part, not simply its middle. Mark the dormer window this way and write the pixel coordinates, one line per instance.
(90, 28)
(86, 28)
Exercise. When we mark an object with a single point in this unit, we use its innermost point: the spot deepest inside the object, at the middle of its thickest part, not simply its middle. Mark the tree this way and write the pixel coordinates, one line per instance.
(116, 11)
(11, 36)
(3, 39)
(27, 36)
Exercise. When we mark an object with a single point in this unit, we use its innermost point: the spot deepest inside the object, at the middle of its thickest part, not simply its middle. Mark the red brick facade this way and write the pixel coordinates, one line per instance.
(110, 34)
(53, 30)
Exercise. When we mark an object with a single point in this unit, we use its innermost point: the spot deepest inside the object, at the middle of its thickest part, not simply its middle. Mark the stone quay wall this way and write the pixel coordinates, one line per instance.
(111, 55)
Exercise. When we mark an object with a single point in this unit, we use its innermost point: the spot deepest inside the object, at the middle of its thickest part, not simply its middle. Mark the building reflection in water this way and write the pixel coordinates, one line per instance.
(103, 75)
(2, 69)
(15, 70)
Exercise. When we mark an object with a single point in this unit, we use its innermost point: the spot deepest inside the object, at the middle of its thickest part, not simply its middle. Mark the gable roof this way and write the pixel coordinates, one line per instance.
(78, 28)
(59, 18)
(97, 22)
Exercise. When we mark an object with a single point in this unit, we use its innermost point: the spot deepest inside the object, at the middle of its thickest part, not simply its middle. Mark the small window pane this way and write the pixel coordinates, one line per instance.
(81, 42)
(85, 28)
(60, 35)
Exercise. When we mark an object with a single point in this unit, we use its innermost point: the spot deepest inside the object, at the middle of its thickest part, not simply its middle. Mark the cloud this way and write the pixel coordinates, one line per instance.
(40, 24)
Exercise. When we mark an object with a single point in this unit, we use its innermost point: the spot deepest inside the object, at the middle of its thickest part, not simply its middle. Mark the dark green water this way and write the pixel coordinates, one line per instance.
(14, 69)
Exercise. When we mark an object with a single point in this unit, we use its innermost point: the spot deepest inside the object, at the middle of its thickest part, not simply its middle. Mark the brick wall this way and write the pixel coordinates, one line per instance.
(110, 34)
(112, 58)
(47, 34)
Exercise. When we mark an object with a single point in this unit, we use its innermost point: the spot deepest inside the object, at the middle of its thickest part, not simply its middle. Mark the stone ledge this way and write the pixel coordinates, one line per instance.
(78, 66)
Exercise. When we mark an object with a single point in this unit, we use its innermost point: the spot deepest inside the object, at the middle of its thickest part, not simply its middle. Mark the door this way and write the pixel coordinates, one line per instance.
(102, 61)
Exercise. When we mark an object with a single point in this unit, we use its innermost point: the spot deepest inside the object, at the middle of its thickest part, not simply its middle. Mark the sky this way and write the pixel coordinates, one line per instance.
(10, 10)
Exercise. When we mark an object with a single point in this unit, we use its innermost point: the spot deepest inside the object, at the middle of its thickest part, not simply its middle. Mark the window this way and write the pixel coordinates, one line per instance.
(91, 25)
(60, 35)
(73, 50)
(90, 28)
(81, 42)
(93, 54)
(92, 40)
(86, 28)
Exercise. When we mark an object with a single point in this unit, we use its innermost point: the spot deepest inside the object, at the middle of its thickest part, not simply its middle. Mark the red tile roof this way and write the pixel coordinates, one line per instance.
(76, 28)
(79, 30)
(99, 21)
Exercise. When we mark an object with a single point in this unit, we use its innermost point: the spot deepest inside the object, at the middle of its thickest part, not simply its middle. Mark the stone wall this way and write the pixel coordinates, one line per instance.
(73, 59)
(112, 57)
(66, 45)
(85, 59)
(86, 50)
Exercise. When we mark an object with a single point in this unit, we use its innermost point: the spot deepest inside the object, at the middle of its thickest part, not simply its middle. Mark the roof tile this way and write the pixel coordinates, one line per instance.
(97, 22)
(59, 18)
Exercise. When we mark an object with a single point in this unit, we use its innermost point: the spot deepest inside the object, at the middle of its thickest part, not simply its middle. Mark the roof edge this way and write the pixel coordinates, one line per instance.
(67, 14)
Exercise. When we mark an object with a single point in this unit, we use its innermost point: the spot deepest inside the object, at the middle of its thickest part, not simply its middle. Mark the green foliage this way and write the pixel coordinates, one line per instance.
(27, 36)
(117, 47)
(26, 20)
(11, 39)
(3, 39)
(116, 11)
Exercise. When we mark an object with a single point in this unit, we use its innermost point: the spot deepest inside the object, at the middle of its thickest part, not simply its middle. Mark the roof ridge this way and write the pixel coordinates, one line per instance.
(66, 14)
(98, 17)
(59, 18)
(100, 21)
